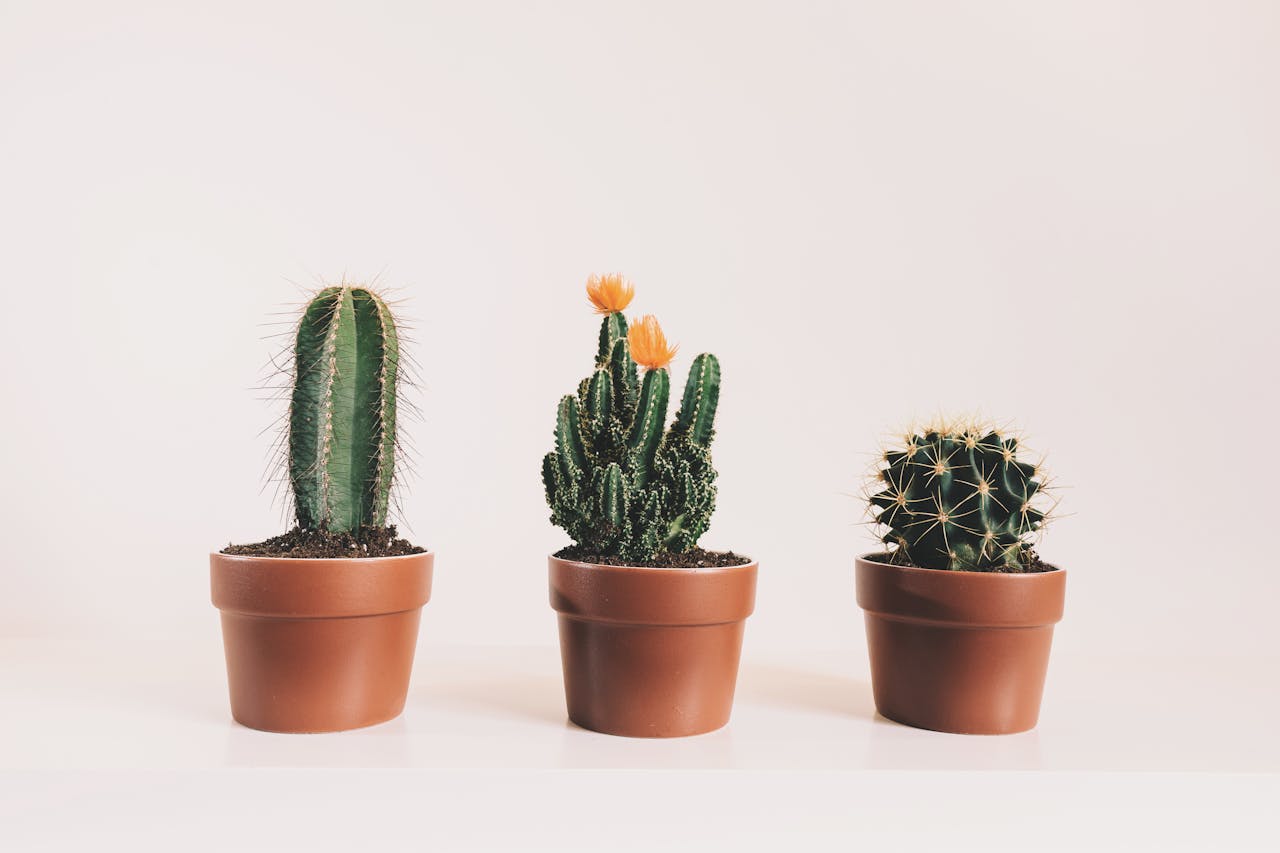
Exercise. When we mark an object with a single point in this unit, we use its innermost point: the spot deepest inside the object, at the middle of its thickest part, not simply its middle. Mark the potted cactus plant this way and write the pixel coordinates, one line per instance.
(650, 625)
(960, 611)
(320, 624)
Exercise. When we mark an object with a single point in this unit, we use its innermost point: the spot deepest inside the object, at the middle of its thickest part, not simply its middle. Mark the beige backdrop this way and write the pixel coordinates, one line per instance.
(1059, 214)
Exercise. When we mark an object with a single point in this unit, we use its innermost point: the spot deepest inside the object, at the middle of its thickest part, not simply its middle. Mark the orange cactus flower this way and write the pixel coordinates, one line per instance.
(609, 293)
(648, 344)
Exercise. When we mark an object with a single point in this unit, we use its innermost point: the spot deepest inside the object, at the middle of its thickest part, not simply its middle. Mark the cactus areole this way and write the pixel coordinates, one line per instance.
(959, 498)
(620, 481)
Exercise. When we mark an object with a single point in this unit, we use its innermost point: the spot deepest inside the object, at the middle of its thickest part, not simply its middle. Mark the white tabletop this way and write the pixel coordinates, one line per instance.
(138, 733)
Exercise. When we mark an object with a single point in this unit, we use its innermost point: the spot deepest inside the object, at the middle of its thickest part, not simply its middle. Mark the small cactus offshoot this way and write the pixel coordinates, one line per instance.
(959, 498)
(621, 482)
(342, 413)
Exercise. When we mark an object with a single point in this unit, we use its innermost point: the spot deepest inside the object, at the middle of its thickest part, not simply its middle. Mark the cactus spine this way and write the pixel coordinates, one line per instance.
(619, 481)
(959, 498)
(342, 414)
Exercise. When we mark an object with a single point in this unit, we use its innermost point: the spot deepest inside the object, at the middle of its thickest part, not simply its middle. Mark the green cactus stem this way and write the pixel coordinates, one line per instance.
(342, 414)
(648, 422)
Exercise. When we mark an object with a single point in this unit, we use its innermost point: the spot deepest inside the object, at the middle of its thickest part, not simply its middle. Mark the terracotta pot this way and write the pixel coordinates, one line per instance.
(650, 652)
(962, 652)
(319, 645)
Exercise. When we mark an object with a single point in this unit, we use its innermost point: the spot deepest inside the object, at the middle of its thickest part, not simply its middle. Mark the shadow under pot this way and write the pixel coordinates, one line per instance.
(650, 652)
(960, 652)
(319, 645)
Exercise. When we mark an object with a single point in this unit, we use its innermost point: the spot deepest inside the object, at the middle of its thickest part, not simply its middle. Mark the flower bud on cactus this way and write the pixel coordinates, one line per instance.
(342, 415)
(959, 498)
(620, 482)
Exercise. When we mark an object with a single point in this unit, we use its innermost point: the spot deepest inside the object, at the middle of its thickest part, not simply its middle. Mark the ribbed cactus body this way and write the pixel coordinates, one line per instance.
(959, 499)
(648, 423)
(342, 415)
(619, 481)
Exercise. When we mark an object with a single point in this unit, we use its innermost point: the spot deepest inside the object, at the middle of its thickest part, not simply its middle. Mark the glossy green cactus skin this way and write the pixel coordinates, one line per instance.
(620, 482)
(342, 414)
(959, 500)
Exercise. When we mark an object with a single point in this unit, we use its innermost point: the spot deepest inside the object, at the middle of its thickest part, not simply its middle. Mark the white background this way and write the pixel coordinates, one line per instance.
(1060, 215)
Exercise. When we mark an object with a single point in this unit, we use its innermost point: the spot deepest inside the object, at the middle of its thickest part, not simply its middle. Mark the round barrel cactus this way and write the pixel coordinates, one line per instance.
(959, 498)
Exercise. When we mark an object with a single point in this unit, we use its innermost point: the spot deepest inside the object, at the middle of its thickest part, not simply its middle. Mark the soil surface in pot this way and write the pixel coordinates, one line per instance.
(695, 559)
(323, 544)
(1031, 564)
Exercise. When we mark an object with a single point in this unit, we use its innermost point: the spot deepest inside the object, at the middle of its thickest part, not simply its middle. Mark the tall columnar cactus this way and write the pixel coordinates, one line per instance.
(342, 415)
(619, 481)
(959, 498)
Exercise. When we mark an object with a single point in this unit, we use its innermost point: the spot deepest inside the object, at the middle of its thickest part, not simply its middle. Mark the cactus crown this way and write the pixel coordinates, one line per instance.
(957, 497)
(616, 482)
(342, 412)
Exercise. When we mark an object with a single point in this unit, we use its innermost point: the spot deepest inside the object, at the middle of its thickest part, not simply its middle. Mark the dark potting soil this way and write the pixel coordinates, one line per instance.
(694, 559)
(1031, 564)
(320, 544)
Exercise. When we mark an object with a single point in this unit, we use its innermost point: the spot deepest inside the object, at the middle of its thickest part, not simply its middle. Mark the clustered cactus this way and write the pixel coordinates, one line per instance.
(342, 413)
(958, 497)
(616, 482)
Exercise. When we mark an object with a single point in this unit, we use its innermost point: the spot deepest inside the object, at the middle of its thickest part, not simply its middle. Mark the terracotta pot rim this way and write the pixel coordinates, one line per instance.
(659, 570)
(245, 557)
(320, 588)
(639, 595)
(916, 570)
(960, 599)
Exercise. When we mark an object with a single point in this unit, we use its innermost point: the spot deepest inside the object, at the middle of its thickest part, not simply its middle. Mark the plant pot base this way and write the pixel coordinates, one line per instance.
(288, 728)
(649, 681)
(637, 733)
(906, 720)
(325, 675)
(952, 688)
